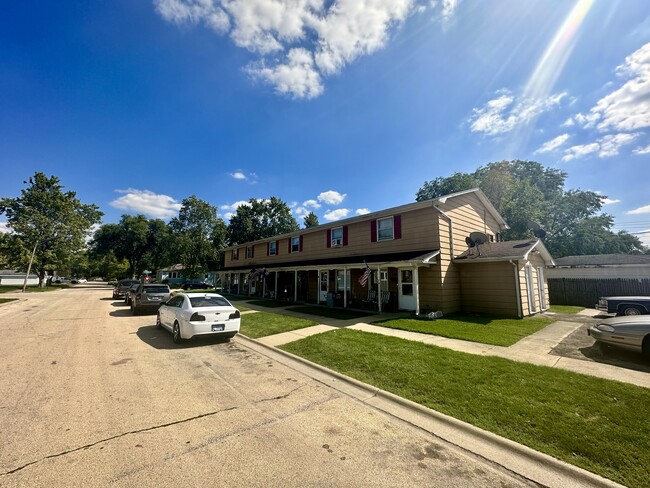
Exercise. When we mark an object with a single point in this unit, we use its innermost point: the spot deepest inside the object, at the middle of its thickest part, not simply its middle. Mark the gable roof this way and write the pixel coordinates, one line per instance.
(409, 207)
(603, 260)
(505, 251)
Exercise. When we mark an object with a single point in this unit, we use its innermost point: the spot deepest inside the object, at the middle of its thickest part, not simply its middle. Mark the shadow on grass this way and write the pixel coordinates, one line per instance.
(331, 313)
(270, 303)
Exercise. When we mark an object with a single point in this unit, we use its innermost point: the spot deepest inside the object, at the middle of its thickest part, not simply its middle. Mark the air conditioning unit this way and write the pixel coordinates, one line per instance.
(337, 242)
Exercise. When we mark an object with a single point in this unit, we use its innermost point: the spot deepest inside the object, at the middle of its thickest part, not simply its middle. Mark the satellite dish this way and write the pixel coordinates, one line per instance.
(536, 229)
(479, 237)
(470, 242)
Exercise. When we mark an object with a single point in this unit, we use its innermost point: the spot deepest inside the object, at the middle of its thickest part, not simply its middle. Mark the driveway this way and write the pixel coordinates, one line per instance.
(93, 396)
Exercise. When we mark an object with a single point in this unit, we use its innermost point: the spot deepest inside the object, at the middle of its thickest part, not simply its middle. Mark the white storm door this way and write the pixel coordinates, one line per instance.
(324, 286)
(406, 292)
(541, 290)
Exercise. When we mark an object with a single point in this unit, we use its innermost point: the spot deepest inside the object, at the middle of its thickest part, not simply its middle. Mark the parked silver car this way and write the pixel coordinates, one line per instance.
(149, 297)
(632, 333)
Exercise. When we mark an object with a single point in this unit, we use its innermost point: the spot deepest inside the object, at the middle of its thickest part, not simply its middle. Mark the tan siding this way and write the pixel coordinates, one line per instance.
(489, 288)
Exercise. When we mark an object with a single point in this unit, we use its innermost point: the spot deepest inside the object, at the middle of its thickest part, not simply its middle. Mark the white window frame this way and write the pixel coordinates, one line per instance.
(295, 243)
(235, 254)
(392, 229)
(337, 241)
(340, 279)
(249, 252)
(273, 248)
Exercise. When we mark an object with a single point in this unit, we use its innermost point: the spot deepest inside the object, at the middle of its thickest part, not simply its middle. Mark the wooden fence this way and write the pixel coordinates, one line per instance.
(585, 292)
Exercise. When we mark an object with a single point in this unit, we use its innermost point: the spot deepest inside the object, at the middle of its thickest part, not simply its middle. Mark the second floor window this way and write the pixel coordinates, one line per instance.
(273, 248)
(337, 236)
(235, 254)
(249, 252)
(385, 229)
(295, 244)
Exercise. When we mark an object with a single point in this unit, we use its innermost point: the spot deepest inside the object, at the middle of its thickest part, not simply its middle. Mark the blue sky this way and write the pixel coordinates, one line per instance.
(338, 106)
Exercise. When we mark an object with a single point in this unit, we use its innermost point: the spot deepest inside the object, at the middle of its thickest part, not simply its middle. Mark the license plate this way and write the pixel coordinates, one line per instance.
(217, 327)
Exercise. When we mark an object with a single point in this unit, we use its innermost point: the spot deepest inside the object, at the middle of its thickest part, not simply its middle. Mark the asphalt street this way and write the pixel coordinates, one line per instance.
(93, 396)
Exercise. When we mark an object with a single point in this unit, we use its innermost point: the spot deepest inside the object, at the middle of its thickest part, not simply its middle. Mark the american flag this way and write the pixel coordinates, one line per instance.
(363, 279)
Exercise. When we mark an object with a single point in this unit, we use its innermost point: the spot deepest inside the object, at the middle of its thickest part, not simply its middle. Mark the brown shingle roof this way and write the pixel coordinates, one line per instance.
(500, 251)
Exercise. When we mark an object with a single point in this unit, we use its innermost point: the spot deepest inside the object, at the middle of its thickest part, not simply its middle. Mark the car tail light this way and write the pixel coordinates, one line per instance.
(196, 317)
(235, 315)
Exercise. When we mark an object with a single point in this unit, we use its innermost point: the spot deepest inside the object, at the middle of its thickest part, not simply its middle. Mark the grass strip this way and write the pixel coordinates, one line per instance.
(7, 300)
(565, 309)
(597, 424)
(31, 288)
(262, 324)
(486, 330)
(332, 313)
(270, 303)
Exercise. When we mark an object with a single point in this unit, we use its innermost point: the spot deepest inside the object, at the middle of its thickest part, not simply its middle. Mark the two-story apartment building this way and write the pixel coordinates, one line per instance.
(414, 257)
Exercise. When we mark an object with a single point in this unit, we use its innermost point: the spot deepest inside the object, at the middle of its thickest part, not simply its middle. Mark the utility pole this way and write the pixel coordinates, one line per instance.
(29, 268)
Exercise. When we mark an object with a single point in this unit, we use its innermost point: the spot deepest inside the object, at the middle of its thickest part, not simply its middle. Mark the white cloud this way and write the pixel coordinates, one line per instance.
(504, 113)
(610, 201)
(228, 215)
(568, 123)
(628, 107)
(239, 175)
(553, 144)
(642, 150)
(604, 147)
(234, 206)
(337, 214)
(641, 210)
(311, 204)
(362, 211)
(331, 197)
(147, 203)
(4, 228)
(300, 211)
(319, 37)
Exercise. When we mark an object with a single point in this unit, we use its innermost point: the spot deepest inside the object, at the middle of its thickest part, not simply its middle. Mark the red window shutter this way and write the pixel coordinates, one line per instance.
(268, 248)
(397, 226)
(289, 245)
(345, 235)
(373, 231)
(301, 243)
(329, 238)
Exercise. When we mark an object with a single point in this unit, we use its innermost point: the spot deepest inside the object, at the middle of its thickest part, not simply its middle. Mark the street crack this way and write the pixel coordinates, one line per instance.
(118, 436)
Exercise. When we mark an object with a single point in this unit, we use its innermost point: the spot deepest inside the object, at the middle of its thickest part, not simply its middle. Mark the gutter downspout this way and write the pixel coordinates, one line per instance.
(518, 288)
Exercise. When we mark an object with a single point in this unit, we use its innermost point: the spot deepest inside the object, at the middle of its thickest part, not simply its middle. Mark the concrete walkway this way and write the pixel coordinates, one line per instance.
(534, 349)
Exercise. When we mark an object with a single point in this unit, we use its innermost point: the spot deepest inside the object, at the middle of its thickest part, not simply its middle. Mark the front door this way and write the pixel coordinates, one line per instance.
(406, 293)
(540, 286)
(324, 286)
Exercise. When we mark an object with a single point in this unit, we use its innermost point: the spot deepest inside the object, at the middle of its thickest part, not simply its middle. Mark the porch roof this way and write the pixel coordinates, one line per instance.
(505, 251)
(405, 258)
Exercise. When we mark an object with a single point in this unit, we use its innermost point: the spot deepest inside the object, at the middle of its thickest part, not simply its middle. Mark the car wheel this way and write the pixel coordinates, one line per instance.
(158, 322)
(645, 347)
(630, 310)
(176, 333)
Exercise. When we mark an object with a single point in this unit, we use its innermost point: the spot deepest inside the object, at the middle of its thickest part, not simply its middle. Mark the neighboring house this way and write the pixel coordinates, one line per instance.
(12, 277)
(418, 259)
(175, 275)
(581, 280)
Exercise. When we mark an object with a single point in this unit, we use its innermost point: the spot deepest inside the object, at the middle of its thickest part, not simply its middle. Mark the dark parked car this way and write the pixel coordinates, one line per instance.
(149, 297)
(631, 333)
(120, 290)
(635, 305)
(196, 285)
(130, 293)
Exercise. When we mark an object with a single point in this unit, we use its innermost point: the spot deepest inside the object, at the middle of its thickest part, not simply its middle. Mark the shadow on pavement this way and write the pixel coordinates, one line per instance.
(162, 339)
(125, 312)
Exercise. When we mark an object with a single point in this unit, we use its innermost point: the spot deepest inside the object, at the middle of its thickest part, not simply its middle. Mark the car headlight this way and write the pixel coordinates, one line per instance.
(605, 328)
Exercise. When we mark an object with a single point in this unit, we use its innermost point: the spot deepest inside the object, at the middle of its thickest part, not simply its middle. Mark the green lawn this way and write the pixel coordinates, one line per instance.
(565, 309)
(7, 300)
(241, 308)
(270, 303)
(262, 324)
(486, 330)
(31, 288)
(332, 313)
(597, 424)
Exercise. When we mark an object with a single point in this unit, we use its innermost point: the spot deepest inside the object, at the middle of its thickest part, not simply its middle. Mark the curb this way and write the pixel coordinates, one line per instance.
(516, 458)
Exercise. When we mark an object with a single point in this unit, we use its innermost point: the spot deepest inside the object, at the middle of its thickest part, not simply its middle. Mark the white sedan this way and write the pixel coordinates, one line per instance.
(187, 315)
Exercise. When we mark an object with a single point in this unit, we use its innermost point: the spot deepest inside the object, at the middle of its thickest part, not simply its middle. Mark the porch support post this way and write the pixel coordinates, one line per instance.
(276, 285)
(416, 286)
(379, 289)
(295, 286)
(345, 287)
(238, 283)
(263, 286)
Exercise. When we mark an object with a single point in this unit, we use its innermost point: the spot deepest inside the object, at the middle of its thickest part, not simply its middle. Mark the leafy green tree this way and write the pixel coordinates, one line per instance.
(47, 222)
(311, 220)
(260, 219)
(140, 241)
(525, 192)
(198, 236)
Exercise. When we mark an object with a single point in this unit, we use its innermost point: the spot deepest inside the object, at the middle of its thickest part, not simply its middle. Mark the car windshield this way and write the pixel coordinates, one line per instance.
(156, 289)
(198, 302)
